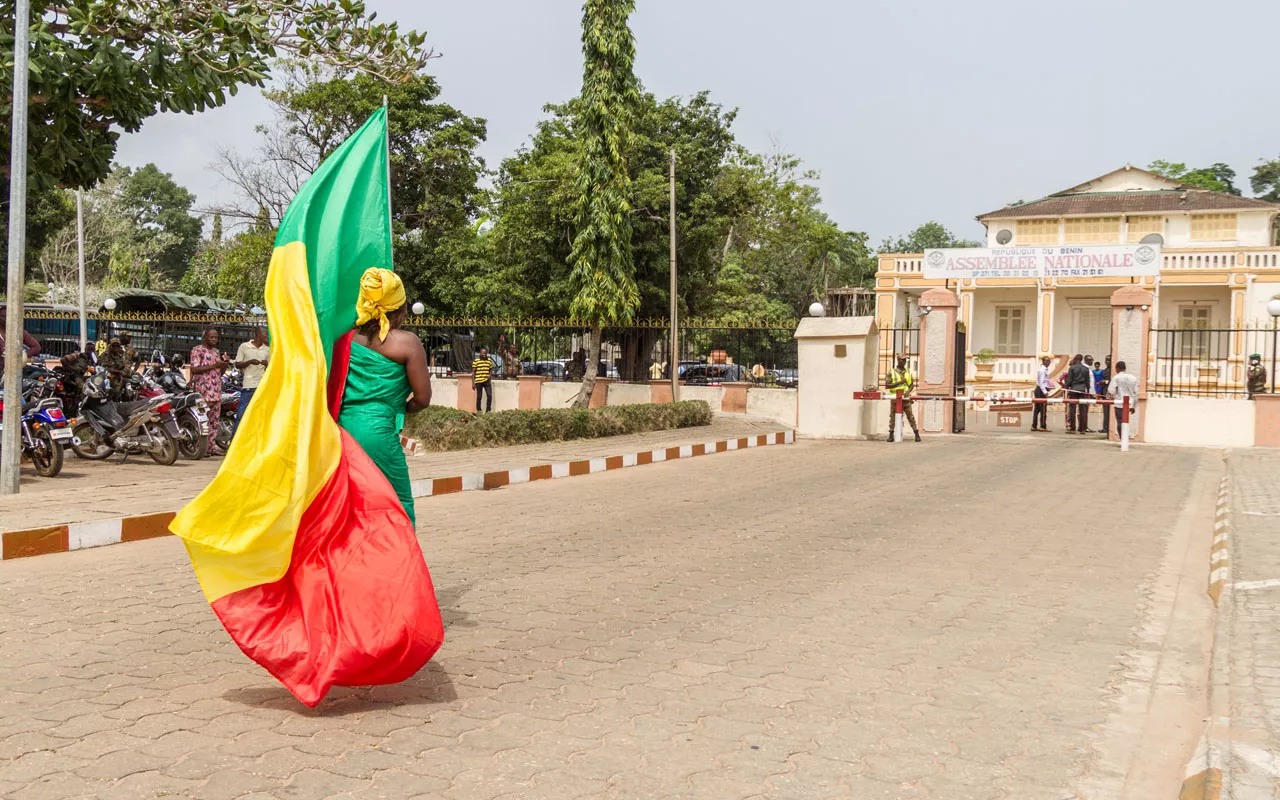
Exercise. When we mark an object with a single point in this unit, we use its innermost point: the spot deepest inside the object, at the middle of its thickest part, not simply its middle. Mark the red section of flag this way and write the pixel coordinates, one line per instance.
(356, 607)
(338, 369)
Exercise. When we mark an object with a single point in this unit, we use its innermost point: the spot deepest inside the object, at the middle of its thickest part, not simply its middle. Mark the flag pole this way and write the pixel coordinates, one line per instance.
(386, 139)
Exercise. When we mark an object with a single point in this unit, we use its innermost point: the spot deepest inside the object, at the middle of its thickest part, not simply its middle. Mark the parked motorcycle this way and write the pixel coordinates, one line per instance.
(189, 411)
(131, 428)
(44, 429)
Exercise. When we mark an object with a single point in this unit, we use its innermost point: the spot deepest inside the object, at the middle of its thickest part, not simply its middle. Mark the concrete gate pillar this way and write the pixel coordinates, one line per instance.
(1130, 341)
(936, 374)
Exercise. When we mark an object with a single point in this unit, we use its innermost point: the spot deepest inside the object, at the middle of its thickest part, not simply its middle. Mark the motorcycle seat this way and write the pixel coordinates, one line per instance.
(130, 408)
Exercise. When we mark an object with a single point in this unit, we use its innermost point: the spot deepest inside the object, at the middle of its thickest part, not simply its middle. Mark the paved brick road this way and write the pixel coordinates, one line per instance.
(1253, 628)
(820, 620)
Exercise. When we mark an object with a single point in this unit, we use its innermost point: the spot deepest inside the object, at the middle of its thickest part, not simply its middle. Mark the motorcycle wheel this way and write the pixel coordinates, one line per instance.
(91, 445)
(47, 456)
(223, 436)
(166, 453)
(194, 445)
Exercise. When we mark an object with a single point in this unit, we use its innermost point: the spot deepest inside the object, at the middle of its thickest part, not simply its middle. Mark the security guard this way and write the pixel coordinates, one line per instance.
(901, 379)
(1257, 375)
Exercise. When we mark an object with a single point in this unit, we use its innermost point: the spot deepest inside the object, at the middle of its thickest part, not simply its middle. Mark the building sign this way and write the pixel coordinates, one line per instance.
(1058, 261)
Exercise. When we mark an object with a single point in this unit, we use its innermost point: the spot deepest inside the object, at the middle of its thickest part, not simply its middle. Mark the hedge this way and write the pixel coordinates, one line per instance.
(443, 429)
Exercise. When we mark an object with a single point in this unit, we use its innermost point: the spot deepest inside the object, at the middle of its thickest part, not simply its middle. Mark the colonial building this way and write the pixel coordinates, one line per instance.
(1219, 269)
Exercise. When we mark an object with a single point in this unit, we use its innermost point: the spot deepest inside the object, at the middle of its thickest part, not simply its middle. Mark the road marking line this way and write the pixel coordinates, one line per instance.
(1246, 586)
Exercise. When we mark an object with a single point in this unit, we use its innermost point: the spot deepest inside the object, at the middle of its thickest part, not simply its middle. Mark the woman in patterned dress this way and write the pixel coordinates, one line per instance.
(207, 366)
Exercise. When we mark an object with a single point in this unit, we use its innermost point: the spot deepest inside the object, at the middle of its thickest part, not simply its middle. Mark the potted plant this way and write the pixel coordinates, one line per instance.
(983, 362)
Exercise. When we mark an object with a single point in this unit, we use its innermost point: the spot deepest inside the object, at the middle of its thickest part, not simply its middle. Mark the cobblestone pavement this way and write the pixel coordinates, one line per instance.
(89, 490)
(955, 619)
(1253, 606)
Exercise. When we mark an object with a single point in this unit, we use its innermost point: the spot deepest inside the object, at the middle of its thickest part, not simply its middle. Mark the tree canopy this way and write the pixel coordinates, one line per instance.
(928, 236)
(1217, 177)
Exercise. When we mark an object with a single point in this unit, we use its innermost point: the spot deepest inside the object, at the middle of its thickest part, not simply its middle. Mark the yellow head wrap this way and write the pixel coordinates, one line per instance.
(381, 292)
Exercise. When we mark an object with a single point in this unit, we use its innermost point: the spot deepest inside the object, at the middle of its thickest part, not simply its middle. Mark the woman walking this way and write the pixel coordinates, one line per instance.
(386, 379)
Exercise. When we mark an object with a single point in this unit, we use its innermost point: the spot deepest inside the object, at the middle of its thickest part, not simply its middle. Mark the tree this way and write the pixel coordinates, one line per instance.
(752, 242)
(928, 236)
(158, 205)
(1265, 181)
(1217, 177)
(242, 274)
(435, 170)
(602, 276)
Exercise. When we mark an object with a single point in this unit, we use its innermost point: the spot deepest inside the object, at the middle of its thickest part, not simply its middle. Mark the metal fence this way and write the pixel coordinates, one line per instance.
(1199, 362)
(764, 352)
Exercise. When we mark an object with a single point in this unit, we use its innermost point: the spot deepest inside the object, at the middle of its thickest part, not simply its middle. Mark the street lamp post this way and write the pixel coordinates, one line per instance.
(13, 353)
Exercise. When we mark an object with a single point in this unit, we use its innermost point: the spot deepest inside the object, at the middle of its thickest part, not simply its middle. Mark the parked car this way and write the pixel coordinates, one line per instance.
(715, 374)
(552, 369)
(786, 378)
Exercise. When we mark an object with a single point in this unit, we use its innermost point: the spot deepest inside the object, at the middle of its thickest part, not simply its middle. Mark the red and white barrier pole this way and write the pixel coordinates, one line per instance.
(1124, 426)
(897, 416)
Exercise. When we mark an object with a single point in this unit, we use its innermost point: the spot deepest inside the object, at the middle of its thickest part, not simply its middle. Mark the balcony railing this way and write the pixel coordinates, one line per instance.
(1173, 260)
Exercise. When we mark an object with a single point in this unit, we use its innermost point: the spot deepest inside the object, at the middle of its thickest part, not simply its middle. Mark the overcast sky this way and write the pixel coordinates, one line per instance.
(911, 109)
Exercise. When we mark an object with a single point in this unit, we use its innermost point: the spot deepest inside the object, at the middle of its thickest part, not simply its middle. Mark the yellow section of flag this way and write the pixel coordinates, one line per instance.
(240, 531)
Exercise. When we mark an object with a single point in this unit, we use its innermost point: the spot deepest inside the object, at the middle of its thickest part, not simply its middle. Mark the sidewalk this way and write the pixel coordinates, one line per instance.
(89, 491)
(1250, 756)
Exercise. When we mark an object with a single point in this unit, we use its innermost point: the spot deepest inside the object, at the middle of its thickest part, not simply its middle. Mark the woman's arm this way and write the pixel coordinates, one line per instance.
(415, 367)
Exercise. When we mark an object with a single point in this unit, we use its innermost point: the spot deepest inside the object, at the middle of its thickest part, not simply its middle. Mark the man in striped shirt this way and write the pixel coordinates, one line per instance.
(482, 378)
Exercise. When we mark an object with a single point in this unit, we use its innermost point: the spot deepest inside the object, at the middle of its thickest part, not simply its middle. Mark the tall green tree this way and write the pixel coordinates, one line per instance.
(928, 236)
(159, 205)
(602, 279)
(1218, 177)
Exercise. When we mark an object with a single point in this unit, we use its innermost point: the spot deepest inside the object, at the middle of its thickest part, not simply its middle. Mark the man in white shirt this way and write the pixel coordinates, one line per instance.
(251, 359)
(1123, 385)
(1044, 387)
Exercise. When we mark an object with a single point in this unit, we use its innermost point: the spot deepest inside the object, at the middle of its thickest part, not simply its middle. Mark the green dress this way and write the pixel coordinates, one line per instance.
(373, 413)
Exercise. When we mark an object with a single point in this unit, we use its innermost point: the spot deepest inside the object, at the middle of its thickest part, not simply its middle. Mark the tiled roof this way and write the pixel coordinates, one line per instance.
(1132, 203)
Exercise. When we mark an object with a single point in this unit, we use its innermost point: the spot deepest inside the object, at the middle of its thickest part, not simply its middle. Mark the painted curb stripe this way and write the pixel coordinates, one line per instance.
(1220, 550)
(82, 535)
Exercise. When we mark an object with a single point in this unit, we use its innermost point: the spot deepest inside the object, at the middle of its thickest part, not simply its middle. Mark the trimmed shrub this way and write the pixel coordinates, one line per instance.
(444, 429)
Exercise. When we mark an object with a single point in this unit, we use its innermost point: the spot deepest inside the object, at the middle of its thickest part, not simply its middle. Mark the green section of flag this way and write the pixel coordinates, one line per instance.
(343, 216)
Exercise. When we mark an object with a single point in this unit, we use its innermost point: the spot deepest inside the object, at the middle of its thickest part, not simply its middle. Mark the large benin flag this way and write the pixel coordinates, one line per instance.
(300, 543)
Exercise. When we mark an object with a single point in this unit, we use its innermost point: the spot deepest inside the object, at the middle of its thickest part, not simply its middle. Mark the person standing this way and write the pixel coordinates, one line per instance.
(1102, 382)
(901, 380)
(482, 378)
(1257, 376)
(131, 358)
(1123, 385)
(113, 360)
(1044, 388)
(1079, 382)
(251, 359)
(576, 369)
(207, 365)
(511, 366)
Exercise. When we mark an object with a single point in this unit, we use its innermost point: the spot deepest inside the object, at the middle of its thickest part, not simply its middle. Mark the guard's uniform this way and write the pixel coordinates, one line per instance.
(901, 380)
(1257, 376)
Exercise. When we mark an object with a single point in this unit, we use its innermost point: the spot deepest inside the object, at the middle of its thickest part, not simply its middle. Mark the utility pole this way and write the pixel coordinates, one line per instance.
(13, 354)
(673, 360)
(84, 323)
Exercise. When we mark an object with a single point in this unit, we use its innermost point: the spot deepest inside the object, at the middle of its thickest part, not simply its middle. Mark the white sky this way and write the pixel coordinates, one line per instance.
(911, 109)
